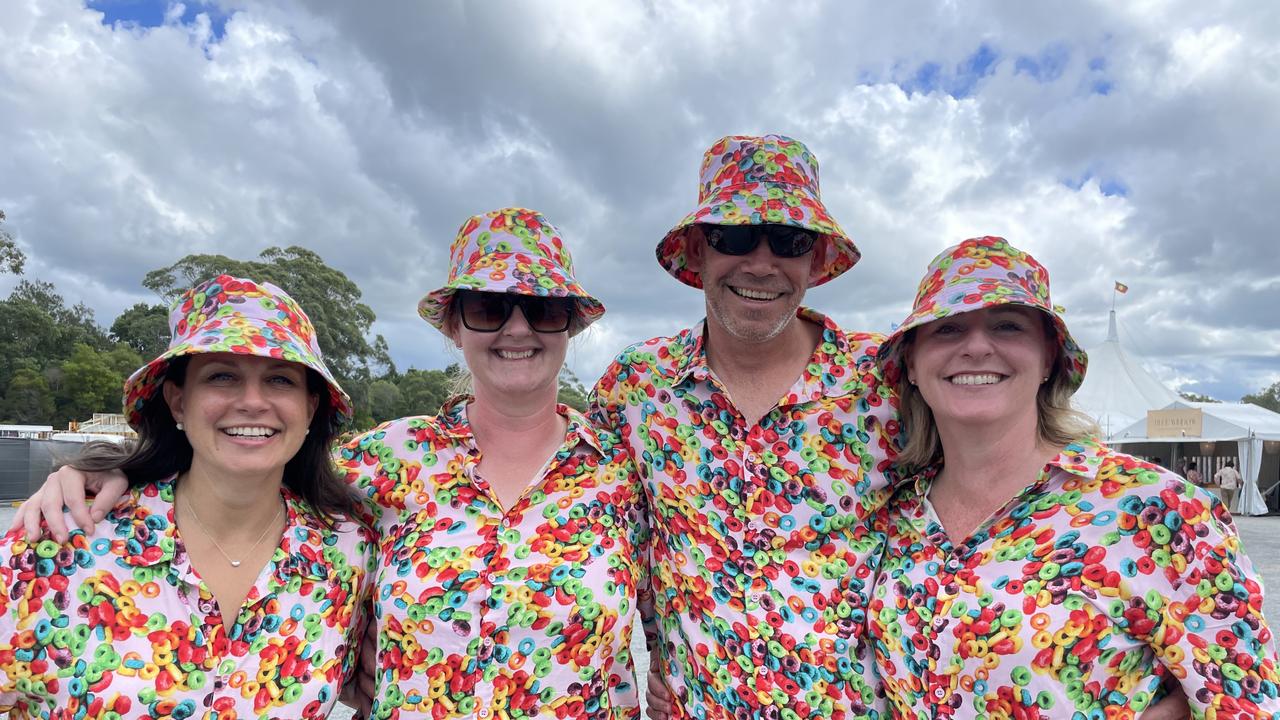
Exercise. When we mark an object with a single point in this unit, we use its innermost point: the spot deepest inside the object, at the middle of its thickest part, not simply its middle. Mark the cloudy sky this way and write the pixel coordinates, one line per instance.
(1128, 141)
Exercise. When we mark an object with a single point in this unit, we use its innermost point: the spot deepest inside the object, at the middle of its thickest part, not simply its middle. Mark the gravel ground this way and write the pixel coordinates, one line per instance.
(1261, 537)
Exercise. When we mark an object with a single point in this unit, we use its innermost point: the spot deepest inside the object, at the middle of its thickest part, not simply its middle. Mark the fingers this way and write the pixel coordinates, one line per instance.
(50, 509)
(110, 488)
(659, 697)
(28, 518)
(65, 488)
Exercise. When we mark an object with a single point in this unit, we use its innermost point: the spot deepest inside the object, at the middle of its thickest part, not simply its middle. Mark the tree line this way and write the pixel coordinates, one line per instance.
(58, 364)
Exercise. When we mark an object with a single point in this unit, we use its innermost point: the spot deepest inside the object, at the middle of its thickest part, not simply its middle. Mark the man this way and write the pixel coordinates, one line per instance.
(1228, 481)
(765, 437)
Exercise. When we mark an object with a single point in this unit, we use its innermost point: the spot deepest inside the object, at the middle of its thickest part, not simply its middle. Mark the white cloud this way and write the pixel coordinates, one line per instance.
(369, 136)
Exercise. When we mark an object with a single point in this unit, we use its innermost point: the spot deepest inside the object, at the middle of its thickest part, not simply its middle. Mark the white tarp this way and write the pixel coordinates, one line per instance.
(1117, 390)
(1247, 425)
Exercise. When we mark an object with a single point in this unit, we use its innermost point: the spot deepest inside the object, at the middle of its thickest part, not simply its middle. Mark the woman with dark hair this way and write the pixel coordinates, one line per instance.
(1031, 571)
(513, 555)
(229, 581)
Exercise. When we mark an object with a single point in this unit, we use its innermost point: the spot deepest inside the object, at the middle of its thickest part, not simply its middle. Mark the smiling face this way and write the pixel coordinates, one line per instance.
(243, 415)
(514, 362)
(982, 367)
(753, 297)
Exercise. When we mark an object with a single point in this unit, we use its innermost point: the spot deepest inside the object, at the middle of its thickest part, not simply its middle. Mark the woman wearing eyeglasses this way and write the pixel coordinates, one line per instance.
(513, 535)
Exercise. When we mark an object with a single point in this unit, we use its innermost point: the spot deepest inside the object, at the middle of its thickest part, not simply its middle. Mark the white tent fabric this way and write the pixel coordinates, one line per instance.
(1117, 390)
(1247, 425)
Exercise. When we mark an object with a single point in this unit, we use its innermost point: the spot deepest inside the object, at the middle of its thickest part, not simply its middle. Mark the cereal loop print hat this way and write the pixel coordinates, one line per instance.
(977, 274)
(748, 180)
(234, 315)
(513, 250)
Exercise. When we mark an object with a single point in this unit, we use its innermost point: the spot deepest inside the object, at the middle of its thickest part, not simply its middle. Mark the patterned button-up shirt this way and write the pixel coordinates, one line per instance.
(762, 562)
(119, 624)
(1075, 599)
(491, 612)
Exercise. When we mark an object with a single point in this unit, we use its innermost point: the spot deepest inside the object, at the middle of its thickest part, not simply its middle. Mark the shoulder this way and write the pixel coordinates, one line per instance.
(419, 433)
(657, 354)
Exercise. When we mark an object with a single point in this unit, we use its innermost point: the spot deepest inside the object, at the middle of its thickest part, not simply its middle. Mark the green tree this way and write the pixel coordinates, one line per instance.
(11, 258)
(385, 400)
(571, 392)
(1268, 398)
(145, 328)
(91, 381)
(28, 399)
(422, 392)
(1197, 397)
(329, 297)
(39, 331)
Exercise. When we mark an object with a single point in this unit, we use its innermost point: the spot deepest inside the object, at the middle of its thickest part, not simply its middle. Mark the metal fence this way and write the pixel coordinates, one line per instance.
(24, 463)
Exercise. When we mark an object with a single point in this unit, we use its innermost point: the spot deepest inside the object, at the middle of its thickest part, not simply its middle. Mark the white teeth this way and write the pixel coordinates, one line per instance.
(249, 432)
(985, 379)
(756, 294)
(515, 355)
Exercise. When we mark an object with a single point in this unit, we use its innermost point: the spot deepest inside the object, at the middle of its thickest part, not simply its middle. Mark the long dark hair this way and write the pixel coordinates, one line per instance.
(162, 450)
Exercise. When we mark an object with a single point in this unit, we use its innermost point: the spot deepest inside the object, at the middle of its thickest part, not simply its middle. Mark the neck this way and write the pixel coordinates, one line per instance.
(519, 420)
(732, 356)
(227, 506)
(993, 459)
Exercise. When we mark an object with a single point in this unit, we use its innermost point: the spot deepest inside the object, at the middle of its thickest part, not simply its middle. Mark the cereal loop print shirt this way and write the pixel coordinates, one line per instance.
(491, 612)
(1073, 600)
(118, 624)
(762, 562)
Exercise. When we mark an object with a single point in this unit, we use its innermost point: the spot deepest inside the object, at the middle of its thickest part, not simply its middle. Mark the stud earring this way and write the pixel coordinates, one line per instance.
(178, 425)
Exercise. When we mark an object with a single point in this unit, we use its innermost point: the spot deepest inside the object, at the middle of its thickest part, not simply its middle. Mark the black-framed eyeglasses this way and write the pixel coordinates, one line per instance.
(489, 311)
(786, 241)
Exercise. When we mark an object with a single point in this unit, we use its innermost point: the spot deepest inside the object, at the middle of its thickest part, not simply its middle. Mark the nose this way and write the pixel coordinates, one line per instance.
(761, 259)
(252, 398)
(977, 343)
(517, 325)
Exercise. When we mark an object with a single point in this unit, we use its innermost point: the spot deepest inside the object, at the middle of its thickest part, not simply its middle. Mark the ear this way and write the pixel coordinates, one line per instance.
(173, 398)
(313, 401)
(818, 262)
(451, 322)
(695, 248)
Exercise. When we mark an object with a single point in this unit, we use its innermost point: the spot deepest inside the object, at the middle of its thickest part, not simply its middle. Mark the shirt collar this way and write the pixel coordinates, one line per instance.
(453, 424)
(146, 534)
(840, 359)
(1082, 457)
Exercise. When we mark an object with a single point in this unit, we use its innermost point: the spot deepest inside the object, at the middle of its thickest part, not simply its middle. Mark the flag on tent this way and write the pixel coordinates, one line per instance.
(1121, 287)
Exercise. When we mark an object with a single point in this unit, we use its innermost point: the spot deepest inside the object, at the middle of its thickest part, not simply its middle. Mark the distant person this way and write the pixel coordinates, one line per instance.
(1030, 570)
(1228, 481)
(229, 579)
(1193, 475)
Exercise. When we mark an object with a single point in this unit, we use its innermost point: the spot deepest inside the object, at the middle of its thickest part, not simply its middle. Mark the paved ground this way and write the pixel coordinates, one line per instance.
(1261, 537)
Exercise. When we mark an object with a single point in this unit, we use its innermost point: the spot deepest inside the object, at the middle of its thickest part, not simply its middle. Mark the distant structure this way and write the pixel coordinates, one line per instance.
(105, 424)
(28, 432)
(1117, 390)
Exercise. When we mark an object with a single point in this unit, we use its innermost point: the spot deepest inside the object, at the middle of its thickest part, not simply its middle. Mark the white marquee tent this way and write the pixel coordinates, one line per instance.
(1249, 426)
(1117, 390)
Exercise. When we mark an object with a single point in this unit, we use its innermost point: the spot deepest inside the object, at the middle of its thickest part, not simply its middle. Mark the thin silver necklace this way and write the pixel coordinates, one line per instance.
(234, 563)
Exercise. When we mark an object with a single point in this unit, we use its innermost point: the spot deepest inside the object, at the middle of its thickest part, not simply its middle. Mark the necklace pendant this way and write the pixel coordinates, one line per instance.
(235, 563)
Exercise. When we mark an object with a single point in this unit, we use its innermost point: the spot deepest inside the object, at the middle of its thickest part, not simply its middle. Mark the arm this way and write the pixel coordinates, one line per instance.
(65, 489)
(1209, 629)
(606, 412)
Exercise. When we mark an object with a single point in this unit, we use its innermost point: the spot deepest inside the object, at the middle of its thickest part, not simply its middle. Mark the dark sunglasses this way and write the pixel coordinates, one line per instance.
(785, 241)
(489, 311)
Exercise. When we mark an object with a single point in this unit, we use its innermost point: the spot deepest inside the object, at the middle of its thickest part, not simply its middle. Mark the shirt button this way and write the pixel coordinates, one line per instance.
(488, 577)
(487, 642)
(484, 712)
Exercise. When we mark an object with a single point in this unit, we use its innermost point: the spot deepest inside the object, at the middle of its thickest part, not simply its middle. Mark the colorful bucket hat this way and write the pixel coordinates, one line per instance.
(512, 250)
(234, 315)
(977, 274)
(748, 180)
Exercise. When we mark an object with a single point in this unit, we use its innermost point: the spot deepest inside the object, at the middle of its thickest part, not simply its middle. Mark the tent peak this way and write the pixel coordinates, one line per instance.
(1112, 334)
